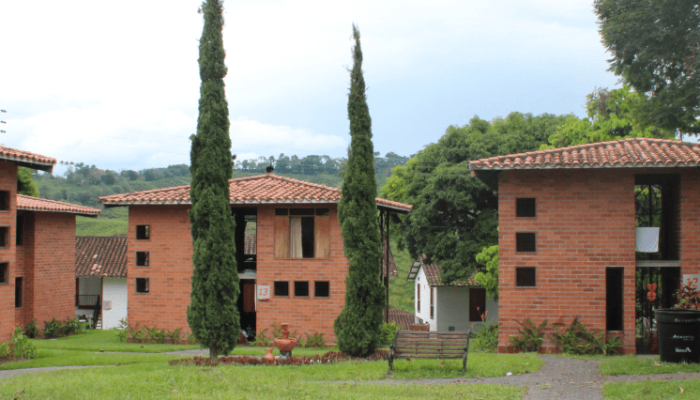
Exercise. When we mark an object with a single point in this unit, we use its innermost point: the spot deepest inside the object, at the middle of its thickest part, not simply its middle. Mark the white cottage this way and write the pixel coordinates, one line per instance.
(100, 279)
(453, 307)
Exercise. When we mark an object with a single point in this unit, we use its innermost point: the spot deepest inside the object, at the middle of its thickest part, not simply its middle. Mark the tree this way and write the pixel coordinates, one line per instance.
(656, 49)
(488, 276)
(358, 327)
(212, 314)
(25, 183)
(612, 115)
(455, 216)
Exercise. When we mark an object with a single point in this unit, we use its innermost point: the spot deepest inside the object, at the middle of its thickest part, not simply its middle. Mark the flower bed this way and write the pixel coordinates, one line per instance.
(327, 358)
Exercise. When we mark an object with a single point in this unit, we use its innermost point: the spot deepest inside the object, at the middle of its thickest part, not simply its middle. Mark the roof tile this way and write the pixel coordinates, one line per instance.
(638, 152)
(432, 274)
(100, 256)
(24, 157)
(28, 203)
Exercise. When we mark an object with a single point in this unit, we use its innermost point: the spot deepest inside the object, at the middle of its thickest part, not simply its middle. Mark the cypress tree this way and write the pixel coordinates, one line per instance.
(212, 314)
(358, 327)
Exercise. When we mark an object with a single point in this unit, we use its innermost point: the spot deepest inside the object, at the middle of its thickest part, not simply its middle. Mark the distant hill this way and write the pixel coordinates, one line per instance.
(82, 184)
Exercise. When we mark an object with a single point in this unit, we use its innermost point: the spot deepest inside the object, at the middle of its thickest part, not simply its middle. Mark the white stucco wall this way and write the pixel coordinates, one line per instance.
(453, 309)
(424, 312)
(114, 291)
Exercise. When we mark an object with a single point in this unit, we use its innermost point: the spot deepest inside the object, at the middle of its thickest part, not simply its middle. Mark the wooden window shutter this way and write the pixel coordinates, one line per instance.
(322, 234)
(281, 236)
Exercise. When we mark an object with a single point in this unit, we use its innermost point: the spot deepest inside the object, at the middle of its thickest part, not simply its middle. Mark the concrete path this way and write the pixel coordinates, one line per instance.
(14, 372)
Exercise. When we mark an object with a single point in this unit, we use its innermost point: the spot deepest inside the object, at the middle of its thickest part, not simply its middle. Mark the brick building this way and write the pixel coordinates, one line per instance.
(572, 225)
(37, 248)
(295, 272)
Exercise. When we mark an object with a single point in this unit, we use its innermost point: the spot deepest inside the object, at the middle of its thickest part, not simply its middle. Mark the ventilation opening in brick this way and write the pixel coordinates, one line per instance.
(614, 298)
(18, 292)
(525, 208)
(301, 289)
(4, 273)
(282, 289)
(142, 285)
(142, 258)
(525, 242)
(4, 200)
(525, 276)
(143, 232)
(322, 289)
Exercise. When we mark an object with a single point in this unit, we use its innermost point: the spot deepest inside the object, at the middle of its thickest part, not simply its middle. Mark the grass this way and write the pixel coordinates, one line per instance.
(653, 390)
(148, 375)
(631, 365)
(401, 290)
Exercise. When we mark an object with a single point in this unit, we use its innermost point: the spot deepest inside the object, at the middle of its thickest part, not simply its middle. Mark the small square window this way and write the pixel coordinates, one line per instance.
(301, 289)
(282, 289)
(525, 276)
(4, 236)
(4, 200)
(142, 258)
(142, 285)
(525, 208)
(525, 242)
(4, 273)
(19, 232)
(18, 292)
(143, 232)
(322, 289)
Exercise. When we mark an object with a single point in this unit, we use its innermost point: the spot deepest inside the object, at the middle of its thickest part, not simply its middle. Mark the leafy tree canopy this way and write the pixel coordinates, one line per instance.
(612, 115)
(656, 49)
(25, 183)
(454, 215)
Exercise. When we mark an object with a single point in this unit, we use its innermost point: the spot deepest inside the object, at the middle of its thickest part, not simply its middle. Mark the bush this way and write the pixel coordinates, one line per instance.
(315, 340)
(575, 339)
(21, 346)
(530, 338)
(486, 339)
(30, 329)
(53, 328)
(389, 332)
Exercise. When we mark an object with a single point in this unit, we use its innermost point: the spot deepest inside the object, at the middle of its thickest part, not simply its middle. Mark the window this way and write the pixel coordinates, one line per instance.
(418, 298)
(143, 232)
(142, 258)
(19, 239)
(614, 298)
(477, 303)
(142, 285)
(525, 208)
(4, 272)
(322, 289)
(18, 292)
(4, 200)
(302, 233)
(432, 304)
(525, 242)
(301, 289)
(525, 276)
(282, 289)
(4, 236)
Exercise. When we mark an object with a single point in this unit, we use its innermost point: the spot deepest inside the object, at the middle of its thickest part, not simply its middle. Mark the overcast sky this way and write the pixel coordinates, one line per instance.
(116, 84)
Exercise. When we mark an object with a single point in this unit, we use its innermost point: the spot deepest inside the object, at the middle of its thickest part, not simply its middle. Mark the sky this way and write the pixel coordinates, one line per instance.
(116, 84)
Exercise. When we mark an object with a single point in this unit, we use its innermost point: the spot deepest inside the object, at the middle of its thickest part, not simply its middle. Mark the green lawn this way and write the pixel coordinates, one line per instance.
(147, 374)
(653, 390)
(631, 365)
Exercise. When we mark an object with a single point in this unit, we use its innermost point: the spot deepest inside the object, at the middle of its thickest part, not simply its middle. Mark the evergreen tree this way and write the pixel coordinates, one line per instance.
(212, 314)
(358, 327)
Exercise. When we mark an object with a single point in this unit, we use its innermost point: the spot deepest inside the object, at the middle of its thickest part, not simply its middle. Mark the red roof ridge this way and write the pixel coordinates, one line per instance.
(29, 203)
(27, 159)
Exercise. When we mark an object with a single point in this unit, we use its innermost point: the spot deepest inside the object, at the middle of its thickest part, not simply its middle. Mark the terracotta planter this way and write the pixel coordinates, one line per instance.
(269, 358)
(285, 344)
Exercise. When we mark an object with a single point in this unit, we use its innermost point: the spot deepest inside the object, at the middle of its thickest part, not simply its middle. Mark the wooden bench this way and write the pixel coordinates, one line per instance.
(426, 344)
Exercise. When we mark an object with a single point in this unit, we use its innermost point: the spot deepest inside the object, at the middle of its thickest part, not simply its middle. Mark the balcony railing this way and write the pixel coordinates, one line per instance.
(87, 301)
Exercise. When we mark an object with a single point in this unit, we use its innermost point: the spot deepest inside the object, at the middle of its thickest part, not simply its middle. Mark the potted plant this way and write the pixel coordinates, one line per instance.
(678, 328)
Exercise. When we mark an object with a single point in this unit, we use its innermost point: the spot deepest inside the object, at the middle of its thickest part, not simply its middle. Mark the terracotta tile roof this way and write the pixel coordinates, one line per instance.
(100, 256)
(432, 273)
(625, 153)
(392, 265)
(28, 203)
(259, 189)
(404, 318)
(27, 159)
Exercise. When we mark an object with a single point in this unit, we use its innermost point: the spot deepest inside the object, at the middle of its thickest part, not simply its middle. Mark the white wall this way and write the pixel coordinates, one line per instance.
(114, 290)
(453, 309)
(424, 312)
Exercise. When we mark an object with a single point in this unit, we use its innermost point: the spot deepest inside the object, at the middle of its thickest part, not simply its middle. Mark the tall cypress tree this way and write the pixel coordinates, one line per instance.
(358, 327)
(212, 314)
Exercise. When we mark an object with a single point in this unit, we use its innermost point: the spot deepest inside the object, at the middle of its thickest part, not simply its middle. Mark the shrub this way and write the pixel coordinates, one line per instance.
(53, 328)
(21, 346)
(389, 332)
(315, 340)
(575, 339)
(530, 338)
(30, 329)
(486, 339)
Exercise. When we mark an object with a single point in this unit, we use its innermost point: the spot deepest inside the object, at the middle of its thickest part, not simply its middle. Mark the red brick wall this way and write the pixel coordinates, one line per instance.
(170, 270)
(585, 222)
(25, 269)
(8, 182)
